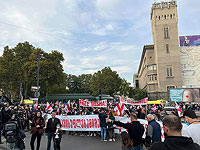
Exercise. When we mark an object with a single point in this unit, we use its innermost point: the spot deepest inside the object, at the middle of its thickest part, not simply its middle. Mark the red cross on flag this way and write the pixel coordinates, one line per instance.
(49, 108)
(120, 108)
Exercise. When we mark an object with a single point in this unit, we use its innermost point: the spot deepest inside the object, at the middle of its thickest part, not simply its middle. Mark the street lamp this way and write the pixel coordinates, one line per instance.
(38, 74)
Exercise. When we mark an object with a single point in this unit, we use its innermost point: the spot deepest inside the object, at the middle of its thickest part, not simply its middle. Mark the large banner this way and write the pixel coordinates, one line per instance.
(133, 102)
(185, 95)
(87, 103)
(190, 40)
(92, 123)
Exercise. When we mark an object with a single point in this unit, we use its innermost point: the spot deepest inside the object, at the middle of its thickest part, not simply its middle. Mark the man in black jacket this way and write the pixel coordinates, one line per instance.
(51, 129)
(135, 130)
(173, 139)
(103, 125)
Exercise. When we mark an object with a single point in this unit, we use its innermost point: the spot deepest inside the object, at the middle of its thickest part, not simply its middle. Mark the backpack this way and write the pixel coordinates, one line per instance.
(11, 132)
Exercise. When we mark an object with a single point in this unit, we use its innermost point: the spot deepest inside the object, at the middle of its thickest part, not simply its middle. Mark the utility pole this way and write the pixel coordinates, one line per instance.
(38, 74)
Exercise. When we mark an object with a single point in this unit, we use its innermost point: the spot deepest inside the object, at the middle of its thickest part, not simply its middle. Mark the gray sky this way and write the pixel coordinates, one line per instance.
(91, 34)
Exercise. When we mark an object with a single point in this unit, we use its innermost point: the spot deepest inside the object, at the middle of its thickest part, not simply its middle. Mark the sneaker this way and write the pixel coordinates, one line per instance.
(113, 139)
(110, 140)
(95, 134)
(105, 140)
(91, 134)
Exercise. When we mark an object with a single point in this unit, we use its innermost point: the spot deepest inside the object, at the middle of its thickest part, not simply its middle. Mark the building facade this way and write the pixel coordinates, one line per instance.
(160, 65)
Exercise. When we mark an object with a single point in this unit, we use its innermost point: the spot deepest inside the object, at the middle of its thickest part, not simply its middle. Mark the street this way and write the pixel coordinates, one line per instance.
(76, 142)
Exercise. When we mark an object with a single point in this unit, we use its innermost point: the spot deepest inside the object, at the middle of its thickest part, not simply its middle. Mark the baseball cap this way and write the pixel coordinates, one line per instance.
(190, 113)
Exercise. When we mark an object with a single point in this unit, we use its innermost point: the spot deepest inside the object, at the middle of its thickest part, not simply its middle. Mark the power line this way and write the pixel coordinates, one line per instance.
(40, 32)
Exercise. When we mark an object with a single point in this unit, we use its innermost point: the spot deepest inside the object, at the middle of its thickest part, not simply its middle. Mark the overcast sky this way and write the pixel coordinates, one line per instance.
(91, 34)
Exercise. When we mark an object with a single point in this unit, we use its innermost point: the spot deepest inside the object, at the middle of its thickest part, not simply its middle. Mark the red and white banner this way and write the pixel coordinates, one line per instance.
(133, 102)
(87, 103)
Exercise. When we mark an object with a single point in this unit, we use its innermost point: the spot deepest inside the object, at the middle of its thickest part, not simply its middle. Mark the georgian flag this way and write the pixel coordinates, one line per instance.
(36, 105)
(178, 109)
(49, 108)
(67, 107)
(120, 108)
(154, 107)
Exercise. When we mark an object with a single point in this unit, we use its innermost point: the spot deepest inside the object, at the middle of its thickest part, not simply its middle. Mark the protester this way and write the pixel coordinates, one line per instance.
(103, 125)
(58, 136)
(127, 143)
(193, 130)
(173, 140)
(37, 129)
(153, 131)
(111, 133)
(51, 129)
(27, 117)
(135, 130)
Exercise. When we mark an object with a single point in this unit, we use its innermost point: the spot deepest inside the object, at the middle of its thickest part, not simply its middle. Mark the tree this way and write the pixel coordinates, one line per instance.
(139, 94)
(19, 65)
(124, 88)
(107, 80)
(78, 84)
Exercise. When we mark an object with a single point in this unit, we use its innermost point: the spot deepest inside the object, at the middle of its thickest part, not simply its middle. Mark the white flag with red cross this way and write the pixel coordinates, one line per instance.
(49, 108)
(120, 108)
(36, 105)
(67, 107)
(178, 109)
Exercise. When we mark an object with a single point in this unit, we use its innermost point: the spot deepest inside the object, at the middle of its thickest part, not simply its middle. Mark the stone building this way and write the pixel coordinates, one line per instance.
(160, 65)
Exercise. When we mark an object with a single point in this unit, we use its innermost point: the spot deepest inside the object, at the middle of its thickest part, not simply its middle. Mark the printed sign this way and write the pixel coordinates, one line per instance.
(87, 103)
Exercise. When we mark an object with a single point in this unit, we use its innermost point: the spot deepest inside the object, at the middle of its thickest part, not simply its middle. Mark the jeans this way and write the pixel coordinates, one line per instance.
(50, 136)
(103, 133)
(33, 137)
(139, 147)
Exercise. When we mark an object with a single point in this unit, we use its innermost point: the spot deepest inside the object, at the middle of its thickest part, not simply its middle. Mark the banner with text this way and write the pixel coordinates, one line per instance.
(133, 102)
(92, 123)
(87, 103)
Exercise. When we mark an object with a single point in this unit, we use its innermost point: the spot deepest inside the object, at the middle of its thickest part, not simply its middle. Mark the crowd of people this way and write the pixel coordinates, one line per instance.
(33, 119)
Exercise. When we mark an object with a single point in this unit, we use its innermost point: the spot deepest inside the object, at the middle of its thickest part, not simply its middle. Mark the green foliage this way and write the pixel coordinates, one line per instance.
(139, 94)
(20, 64)
(124, 88)
(78, 84)
(106, 80)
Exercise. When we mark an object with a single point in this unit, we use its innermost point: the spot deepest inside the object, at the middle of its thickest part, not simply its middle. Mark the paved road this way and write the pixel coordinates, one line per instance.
(70, 142)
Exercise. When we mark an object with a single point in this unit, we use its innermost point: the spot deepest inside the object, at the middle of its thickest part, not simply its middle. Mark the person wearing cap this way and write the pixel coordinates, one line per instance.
(193, 130)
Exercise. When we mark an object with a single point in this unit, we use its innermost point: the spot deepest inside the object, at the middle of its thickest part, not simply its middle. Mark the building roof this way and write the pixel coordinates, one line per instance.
(146, 47)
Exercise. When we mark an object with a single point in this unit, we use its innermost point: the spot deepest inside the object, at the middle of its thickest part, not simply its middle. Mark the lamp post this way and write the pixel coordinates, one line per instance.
(38, 74)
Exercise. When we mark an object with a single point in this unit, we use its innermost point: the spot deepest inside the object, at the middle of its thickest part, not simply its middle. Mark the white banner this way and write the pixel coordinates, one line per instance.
(87, 103)
(133, 102)
(92, 123)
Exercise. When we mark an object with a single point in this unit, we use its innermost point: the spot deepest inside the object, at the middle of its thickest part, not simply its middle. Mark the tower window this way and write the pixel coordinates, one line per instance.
(159, 17)
(171, 16)
(165, 17)
(169, 71)
(167, 48)
(166, 32)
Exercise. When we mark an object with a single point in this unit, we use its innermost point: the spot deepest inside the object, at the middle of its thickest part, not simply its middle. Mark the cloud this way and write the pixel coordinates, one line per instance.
(91, 34)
